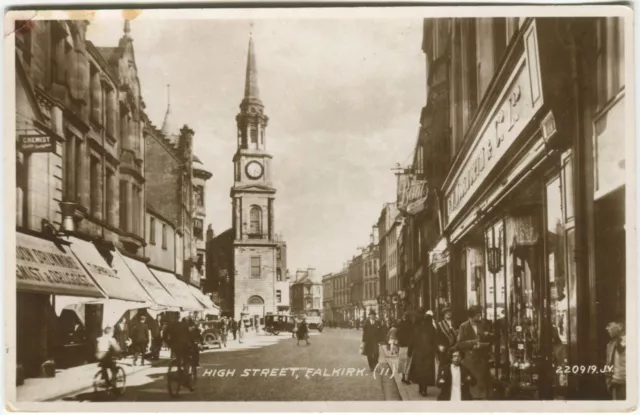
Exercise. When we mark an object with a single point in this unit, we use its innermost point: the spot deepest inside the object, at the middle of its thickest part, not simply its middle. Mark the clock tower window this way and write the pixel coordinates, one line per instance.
(255, 222)
(254, 135)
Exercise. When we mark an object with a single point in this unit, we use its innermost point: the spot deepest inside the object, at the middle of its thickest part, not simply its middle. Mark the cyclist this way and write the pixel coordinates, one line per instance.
(195, 339)
(106, 350)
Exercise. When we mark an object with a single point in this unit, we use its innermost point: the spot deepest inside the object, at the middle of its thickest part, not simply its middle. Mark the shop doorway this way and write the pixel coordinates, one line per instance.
(610, 264)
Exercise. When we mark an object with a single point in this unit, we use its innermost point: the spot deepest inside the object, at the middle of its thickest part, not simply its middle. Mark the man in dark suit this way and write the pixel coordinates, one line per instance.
(371, 337)
(473, 340)
(454, 379)
(139, 339)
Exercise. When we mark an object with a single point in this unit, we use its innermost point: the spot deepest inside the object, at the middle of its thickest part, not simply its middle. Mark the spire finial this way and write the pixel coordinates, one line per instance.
(127, 27)
(251, 89)
(168, 95)
(251, 29)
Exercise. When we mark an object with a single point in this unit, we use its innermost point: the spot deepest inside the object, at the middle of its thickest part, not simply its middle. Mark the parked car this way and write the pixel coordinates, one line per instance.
(275, 324)
(211, 333)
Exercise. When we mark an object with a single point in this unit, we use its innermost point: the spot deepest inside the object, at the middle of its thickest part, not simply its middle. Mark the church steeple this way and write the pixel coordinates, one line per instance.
(251, 89)
(251, 121)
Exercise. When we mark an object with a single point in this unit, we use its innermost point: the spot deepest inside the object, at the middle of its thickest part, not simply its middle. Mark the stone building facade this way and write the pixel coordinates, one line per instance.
(525, 143)
(79, 159)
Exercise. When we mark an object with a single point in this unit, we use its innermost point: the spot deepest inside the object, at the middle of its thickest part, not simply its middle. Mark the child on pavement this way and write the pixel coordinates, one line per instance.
(392, 339)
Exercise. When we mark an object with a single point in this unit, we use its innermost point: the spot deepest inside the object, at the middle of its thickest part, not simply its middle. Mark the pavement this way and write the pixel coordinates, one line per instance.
(265, 368)
(80, 378)
(407, 392)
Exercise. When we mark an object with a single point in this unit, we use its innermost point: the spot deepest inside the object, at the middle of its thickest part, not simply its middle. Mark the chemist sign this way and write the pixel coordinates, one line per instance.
(36, 143)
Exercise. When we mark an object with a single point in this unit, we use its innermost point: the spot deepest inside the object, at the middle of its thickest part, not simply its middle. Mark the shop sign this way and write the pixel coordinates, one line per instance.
(42, 266)
(413, 195)
(515, 108)
(36, 143)
(438, 259)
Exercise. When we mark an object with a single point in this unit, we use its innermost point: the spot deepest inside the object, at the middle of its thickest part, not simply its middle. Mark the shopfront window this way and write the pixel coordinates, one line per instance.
(558, 287)
(496, 298)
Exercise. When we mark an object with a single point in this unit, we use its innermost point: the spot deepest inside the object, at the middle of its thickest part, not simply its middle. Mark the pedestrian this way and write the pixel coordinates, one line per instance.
(385, 326)
(234, 328)
(446, 335)
(295, 328)
(156, 341)
(454, 379)
(405, 329)
(140, 339)
(616, 380)
(422, 350)
(473, 342)
(392, 339)
(371, 337)
(121, 334)
(224, 331)
(357, 324)
(303, 332)
(241, 330)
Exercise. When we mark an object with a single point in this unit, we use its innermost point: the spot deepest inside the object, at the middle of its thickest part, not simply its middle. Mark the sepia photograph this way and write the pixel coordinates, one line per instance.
(339, 207)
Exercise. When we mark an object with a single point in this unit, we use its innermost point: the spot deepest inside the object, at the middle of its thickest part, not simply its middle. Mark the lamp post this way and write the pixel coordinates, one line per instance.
(494, 265)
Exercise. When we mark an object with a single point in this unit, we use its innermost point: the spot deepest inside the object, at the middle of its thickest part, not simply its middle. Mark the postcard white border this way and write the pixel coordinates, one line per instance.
(333, 406)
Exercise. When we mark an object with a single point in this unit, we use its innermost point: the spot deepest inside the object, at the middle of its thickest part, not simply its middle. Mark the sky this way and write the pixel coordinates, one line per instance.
(343, 99)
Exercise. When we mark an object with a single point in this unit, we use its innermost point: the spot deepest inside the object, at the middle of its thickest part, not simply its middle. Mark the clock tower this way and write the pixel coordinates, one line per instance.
(252, 195)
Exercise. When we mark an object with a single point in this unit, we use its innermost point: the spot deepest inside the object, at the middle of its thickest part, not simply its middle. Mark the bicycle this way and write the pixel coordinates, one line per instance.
(178, 377)
(102, 384)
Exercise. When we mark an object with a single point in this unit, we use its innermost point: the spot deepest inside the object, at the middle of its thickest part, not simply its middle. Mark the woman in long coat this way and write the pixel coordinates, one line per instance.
(422, 351)
(473, 340)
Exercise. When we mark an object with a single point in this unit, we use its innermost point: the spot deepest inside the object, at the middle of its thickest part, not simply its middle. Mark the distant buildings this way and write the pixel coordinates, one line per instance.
(306, 292)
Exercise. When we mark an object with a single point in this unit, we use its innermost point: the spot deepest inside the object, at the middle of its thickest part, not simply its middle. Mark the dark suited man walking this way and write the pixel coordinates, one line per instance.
(372, 335)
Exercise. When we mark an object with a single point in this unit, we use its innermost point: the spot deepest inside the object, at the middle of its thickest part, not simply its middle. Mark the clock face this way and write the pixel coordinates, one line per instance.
(254, 170)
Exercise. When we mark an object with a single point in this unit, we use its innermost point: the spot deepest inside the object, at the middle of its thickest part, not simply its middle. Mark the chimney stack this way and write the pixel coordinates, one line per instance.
(210, 233)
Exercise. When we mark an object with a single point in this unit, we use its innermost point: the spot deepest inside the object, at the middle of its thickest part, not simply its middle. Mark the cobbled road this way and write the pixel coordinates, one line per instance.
(329, 369)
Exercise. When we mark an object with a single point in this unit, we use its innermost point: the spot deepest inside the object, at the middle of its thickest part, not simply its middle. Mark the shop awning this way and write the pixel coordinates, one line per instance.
(45, 267)
(119, 286)
(154, 288)
(204, 300)
(178, 290)
(439, 255)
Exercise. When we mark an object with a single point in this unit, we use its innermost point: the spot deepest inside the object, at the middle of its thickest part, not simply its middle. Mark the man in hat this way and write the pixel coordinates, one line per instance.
(446, 335)
(372, 335)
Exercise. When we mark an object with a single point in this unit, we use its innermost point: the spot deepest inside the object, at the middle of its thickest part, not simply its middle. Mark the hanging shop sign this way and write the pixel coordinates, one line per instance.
(412, 197)
(518, 103)
(44, 267)
(36, 143)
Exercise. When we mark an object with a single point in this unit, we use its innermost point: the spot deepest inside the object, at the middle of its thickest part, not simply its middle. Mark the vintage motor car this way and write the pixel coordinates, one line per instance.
(210, 333)
(274, 324)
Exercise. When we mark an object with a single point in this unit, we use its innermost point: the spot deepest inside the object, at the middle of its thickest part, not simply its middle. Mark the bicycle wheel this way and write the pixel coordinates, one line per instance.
(174, 378)
(99, 383)
(120, 382)
(193, 378)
